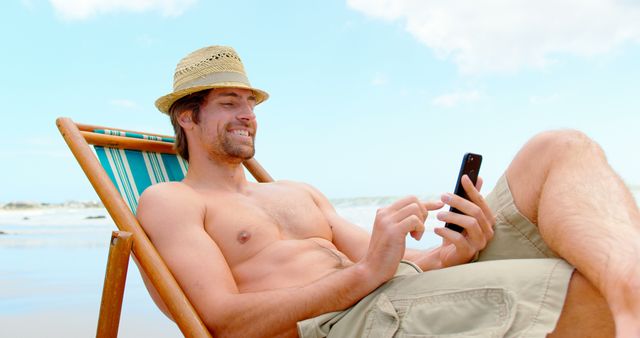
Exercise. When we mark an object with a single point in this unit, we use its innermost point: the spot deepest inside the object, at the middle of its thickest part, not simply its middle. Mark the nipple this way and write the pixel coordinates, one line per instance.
(243, 236)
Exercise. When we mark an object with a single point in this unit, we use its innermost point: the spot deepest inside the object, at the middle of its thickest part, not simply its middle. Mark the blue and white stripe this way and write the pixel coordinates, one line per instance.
(132, 171)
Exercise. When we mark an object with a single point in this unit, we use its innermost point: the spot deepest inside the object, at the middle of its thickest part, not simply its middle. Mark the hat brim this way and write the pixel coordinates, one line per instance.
(164, 103)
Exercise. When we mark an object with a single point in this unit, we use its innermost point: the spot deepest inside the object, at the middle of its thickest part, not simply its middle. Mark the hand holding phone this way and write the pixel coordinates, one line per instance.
(470, 167)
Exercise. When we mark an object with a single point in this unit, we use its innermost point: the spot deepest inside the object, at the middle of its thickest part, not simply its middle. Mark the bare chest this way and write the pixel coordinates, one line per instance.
(244, 226)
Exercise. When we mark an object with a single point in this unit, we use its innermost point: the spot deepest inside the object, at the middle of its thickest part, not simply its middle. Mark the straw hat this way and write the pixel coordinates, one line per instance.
(206, 68)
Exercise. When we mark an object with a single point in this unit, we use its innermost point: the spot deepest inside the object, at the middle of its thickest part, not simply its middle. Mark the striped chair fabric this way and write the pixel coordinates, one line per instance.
(132, 171)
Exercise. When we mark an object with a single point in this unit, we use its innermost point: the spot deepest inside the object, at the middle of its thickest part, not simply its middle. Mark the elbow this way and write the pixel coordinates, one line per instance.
(232, 324)
(221, 329)
(221, 321)
(217, 324)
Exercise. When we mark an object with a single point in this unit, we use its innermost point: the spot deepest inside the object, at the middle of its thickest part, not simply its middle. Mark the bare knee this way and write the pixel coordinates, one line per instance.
(557, 145)
(543, 152)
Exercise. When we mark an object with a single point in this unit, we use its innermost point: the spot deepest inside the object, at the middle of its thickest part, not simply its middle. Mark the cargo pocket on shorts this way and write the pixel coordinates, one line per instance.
(486, 312)
(382, 320)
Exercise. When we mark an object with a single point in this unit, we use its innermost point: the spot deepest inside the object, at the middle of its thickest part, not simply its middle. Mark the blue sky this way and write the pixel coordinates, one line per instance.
(368, 98)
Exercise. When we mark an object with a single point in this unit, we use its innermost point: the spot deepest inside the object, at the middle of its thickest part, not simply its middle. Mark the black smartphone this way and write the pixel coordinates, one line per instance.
(470, 167)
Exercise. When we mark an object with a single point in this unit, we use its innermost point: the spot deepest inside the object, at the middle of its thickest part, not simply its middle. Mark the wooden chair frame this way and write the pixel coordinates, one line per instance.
(131, 237)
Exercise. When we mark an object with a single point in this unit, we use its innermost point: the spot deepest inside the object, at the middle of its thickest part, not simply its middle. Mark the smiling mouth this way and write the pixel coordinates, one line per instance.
(240, 132)
(242, 135)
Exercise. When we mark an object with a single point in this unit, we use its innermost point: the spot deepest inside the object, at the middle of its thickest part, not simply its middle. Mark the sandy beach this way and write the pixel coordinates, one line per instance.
(52, 264)
(356, 98)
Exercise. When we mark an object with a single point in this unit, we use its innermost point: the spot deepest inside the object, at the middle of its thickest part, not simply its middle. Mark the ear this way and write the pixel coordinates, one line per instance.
(185, 120)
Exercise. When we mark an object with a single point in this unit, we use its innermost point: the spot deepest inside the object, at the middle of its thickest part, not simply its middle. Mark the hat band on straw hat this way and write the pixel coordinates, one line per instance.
(213, 78)
(207, 68)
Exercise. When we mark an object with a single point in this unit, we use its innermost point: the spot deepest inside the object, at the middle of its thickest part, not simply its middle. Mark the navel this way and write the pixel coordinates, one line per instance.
(243, 236)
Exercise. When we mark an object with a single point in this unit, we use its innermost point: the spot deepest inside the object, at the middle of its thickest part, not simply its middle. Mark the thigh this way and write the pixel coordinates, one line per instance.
(515, 235)
(504, 298)
(510, 298)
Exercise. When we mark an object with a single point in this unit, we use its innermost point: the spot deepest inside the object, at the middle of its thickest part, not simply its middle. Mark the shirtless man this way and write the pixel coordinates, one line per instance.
(264, 259)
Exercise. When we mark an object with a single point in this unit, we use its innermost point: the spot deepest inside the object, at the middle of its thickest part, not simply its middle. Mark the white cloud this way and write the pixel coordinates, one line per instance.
(84, 9)
(507, 35)
(451, 100)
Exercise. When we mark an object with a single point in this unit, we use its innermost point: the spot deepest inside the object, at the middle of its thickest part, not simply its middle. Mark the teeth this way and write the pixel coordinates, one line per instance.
(240, 132)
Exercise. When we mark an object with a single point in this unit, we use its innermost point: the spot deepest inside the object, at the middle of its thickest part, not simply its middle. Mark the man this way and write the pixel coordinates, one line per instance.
(275, 259)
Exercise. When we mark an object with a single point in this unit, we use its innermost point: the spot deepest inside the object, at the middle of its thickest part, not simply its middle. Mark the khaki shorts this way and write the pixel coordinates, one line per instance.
(516, 288)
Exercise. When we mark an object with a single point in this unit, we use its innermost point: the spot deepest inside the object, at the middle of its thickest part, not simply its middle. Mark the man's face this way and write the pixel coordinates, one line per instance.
(228, 125)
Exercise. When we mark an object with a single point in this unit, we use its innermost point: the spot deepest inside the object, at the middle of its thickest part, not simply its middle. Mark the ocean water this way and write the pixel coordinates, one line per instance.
(52, 264)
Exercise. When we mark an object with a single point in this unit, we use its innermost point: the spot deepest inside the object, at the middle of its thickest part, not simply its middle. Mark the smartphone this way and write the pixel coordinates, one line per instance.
(470, 167)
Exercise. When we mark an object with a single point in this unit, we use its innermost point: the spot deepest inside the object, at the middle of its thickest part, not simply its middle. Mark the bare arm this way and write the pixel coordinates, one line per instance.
(353, 240)
(457, 248)
(173, 220)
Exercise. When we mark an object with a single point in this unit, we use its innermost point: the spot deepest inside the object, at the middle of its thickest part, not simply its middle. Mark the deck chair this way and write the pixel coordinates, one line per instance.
(123, 164)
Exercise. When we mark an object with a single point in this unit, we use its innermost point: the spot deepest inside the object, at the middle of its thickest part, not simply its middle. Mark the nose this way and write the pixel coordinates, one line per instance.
(246, 112)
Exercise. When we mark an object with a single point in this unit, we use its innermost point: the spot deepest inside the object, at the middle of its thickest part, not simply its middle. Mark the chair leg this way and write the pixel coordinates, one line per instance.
(114, 281)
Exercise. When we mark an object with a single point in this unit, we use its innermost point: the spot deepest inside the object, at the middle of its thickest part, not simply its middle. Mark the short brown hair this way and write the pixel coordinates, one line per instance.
(191, 102)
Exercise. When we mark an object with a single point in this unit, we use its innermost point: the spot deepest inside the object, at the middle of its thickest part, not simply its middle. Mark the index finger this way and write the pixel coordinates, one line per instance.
(403, 202)
(475, 197)
(479, 183)
(433, 205)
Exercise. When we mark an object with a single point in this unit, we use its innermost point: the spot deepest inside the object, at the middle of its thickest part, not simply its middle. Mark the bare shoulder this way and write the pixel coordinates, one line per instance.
(169, 203)
(167, 194)
(317, 196)
(296, 185)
